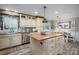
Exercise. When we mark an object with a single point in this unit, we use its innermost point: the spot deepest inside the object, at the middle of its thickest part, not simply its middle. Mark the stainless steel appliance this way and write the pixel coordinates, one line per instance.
(27, 30)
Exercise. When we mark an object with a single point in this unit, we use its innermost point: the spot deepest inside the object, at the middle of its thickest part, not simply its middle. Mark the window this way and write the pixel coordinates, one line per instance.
(10, 23)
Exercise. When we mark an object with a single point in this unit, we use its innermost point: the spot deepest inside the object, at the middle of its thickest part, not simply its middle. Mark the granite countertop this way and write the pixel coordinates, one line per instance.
(40, 37)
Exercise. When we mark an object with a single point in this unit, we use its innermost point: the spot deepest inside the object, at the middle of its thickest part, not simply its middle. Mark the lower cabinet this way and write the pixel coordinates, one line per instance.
(15, 40)
(4, 42)
(10, 40)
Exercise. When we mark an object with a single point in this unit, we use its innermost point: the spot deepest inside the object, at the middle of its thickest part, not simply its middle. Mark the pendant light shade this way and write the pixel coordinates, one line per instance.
(45, 21)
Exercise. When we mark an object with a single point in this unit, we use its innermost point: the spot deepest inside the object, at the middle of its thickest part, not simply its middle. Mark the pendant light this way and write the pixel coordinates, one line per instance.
(45, 21)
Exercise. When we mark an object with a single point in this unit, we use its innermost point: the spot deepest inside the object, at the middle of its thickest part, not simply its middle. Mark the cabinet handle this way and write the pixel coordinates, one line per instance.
(41, 43)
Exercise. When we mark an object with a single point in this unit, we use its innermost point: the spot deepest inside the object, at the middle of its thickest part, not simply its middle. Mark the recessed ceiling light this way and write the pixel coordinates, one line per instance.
(6, 9)
(35, 12)
(56, 12)
(15, 11)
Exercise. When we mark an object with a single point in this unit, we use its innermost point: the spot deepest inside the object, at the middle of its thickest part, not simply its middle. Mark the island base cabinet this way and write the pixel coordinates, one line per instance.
(36, 47)
(49, 46)
(59, 45)
(52, 46)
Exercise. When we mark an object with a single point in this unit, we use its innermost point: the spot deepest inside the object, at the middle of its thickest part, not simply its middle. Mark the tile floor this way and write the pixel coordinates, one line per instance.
(70, 48)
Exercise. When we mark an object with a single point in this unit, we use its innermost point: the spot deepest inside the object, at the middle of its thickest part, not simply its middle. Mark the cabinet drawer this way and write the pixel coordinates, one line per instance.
(52, 53)
(59, 51)
(59, 46)
(51, 41)
(51, 45)
(51, 48)
(60, 41)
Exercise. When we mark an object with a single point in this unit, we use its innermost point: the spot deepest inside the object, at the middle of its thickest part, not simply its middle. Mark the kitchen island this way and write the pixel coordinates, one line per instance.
(50, 44)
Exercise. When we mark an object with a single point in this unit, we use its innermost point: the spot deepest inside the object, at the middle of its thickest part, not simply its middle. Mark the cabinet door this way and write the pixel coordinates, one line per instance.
(15, 40)
(23, 22)
(49, 46)
(4, 42)
(33, 23)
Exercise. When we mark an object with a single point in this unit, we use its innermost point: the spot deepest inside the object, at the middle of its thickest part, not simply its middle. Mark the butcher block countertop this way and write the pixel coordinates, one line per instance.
(40, 37)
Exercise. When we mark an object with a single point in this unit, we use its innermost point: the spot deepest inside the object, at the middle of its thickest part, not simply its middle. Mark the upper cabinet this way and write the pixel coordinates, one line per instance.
(23, 20)
(30, 21)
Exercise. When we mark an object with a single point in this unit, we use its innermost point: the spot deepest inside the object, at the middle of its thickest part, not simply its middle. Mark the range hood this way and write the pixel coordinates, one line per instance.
(45, 20)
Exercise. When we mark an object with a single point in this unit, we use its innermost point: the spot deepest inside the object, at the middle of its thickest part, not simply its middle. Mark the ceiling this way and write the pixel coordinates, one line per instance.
(62, 10)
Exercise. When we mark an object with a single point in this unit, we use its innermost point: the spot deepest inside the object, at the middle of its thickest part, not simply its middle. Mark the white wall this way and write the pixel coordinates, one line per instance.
(73, 30)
